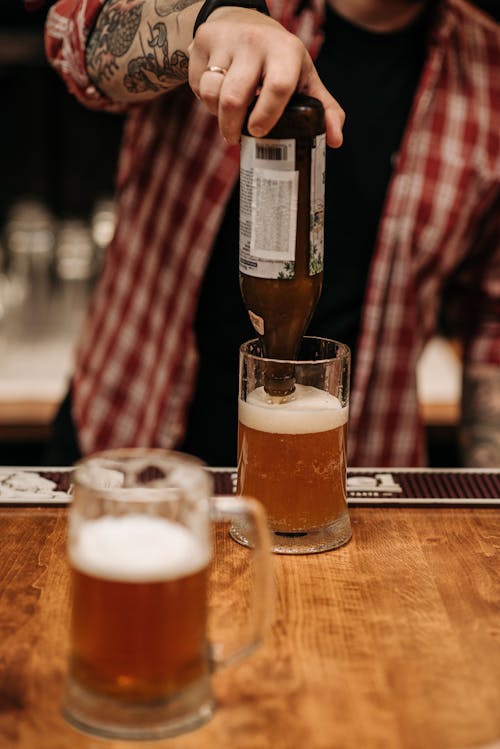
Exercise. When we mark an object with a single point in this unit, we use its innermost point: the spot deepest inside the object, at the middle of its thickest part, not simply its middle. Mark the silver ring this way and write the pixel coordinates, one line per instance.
(216, 69)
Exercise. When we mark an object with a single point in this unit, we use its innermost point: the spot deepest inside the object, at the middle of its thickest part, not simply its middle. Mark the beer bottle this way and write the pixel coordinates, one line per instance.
(282, 184)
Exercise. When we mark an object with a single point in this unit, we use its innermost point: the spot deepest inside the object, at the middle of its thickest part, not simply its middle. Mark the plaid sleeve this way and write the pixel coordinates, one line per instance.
(484, 346)
(473, 301)
(68, 25)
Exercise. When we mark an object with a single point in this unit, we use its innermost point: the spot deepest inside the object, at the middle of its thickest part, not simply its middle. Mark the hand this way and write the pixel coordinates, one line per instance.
(260, 56)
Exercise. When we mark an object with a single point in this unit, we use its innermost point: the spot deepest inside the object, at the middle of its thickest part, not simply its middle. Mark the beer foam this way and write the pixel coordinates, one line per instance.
(136, 548)
(309, 410)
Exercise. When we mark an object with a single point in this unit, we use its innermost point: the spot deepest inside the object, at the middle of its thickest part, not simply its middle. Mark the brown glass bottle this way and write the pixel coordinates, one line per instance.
(281, 230)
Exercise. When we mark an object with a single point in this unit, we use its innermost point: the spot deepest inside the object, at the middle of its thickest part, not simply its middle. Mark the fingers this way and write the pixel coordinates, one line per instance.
(236, 95)
(334, 114)
(226, 96)
(260, 57)
(211, 82)
(277, 90)
(280, 80)
(227, 92)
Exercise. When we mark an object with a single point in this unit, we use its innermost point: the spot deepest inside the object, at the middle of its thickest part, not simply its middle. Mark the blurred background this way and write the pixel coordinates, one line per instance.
(58, 162)
(56, 218)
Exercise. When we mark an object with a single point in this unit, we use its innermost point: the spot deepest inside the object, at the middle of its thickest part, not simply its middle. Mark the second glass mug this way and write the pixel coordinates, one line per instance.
(292, 448)
(139, 546)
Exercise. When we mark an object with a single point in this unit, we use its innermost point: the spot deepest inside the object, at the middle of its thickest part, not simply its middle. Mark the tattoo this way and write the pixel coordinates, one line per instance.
(113, 36)
(120, 25)
(481, 417)
(166, 7)
(154, 71)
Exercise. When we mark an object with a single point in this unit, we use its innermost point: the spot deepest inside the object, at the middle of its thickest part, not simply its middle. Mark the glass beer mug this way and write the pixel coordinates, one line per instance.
(139, 546)
(292, 449)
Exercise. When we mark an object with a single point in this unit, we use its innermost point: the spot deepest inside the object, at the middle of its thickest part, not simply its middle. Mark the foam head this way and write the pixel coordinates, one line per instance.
(136, 548)
(309, 410)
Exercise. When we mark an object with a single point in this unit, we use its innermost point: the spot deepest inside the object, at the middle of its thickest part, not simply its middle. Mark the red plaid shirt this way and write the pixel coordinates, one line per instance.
(439, 232)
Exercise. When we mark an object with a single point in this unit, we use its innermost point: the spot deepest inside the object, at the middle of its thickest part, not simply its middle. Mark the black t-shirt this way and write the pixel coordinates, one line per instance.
(374, 77)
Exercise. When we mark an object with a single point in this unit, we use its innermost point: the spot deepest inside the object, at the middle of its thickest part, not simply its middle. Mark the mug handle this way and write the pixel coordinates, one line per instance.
(251, 512)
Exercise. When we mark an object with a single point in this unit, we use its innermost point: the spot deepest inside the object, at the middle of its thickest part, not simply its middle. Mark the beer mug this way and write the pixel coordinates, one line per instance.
(140, 548)
(292, 448)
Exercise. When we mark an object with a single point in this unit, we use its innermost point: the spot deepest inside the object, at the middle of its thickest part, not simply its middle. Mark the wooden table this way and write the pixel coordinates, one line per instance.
(391, 642)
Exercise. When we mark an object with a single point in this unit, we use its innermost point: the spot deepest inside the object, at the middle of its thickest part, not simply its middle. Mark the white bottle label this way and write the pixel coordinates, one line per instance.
(269, 185)
(317, 203)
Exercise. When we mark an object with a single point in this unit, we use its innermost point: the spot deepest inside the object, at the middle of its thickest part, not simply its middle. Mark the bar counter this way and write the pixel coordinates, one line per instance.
(391, 642)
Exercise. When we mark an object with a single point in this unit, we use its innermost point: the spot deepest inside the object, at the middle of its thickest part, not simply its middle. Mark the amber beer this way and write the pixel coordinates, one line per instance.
(292, 455)
(139, 609)
(282, 180)
(141, 651)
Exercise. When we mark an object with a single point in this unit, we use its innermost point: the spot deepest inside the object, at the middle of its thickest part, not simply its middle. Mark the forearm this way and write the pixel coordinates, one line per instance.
(481, 416)
(138, 48)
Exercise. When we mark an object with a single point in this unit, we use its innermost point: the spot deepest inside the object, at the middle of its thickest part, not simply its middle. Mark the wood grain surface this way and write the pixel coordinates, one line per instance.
(392, 642)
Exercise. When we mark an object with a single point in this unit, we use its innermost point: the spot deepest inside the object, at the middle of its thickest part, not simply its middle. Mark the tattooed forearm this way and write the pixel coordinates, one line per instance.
(129, 51)
(113, 36)
(154, 70)
(481, 417)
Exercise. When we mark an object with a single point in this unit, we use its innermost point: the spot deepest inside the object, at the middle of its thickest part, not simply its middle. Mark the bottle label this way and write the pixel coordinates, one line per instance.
(269, 185)
(317, 204)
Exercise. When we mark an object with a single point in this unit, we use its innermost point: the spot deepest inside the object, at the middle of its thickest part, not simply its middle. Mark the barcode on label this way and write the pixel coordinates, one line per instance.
(272, 153)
